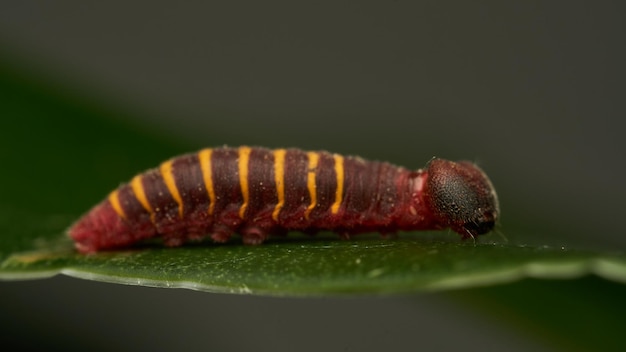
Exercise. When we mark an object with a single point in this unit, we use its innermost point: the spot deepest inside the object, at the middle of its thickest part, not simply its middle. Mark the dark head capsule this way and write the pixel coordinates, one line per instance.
(461, 195)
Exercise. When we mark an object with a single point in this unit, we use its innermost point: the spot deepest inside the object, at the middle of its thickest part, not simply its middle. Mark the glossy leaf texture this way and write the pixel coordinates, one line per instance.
(316, 266)
(62, 154)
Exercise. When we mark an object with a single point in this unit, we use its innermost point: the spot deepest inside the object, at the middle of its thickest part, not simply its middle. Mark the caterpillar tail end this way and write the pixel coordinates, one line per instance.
(102, 229)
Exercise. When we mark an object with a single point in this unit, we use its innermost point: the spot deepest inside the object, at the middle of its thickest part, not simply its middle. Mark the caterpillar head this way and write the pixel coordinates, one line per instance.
(462, 197)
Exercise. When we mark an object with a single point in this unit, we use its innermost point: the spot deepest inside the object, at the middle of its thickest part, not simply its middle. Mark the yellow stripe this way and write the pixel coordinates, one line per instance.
(207, 175)
(170, 182)
(340, 177)
(279, 176)
(140, 193)
(244, 158)
(310, 182)
(114, 199)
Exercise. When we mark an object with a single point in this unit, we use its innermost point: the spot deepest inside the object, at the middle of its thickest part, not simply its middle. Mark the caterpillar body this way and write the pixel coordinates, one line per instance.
(259, 192)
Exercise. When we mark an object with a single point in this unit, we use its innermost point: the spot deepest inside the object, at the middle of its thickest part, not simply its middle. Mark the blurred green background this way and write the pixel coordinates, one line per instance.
(533, 92)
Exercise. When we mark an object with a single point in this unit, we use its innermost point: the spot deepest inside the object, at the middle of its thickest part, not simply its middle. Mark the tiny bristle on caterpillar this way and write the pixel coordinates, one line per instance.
(258, 192)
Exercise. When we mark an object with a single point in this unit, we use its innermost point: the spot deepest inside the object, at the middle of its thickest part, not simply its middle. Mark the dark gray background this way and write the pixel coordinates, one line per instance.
(532, 91)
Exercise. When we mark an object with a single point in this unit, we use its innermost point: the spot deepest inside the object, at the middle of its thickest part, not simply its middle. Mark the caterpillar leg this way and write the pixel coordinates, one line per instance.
(172, 241)
(221, 233)
(254, 235)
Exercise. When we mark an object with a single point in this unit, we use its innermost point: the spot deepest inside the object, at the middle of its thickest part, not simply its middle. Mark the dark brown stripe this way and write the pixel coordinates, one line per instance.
(326, 182)
(388, 191)
(297, 197)
(164, 206)
(262, 184)
(226, 181)
(190, 184)
(361, 185)
(135, 212)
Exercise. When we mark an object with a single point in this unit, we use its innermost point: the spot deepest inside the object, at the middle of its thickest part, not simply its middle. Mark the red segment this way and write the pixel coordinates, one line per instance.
(411, 211)
(102, 229)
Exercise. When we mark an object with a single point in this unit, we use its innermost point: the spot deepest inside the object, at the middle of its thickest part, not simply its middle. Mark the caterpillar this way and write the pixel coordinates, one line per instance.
(258, 192)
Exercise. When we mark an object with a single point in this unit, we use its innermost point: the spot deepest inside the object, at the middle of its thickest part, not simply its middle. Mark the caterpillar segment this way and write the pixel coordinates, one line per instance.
(258, 192)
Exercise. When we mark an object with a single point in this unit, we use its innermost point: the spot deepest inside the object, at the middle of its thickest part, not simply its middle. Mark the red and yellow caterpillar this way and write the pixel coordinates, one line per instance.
(258, 192)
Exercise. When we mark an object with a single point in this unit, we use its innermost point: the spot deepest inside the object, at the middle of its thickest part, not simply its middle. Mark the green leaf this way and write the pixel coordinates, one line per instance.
(61, 155)
(325, 265)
